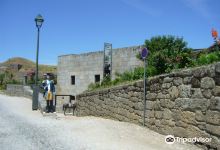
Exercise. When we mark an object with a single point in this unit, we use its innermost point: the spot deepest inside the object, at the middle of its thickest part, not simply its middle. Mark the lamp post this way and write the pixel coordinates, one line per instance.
(39, 21)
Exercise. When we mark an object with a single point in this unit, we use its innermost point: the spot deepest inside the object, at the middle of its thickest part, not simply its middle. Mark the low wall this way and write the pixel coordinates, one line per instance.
(185, 103)
(19, 90)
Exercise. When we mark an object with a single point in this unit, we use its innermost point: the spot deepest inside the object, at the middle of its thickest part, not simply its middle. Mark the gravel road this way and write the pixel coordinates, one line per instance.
(24, 129)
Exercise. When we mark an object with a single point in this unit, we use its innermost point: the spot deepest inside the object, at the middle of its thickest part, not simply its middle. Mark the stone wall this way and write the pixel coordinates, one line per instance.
(184, 103)
(19, 90)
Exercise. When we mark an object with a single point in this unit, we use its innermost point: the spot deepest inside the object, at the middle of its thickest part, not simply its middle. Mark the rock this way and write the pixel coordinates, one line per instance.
(158, 114)
(134, 99)
(184, 91)
(207, 83)
(167, 122)
(151, 96)
(166, 85)
(213, 117)
(177, 81)
(150, 104)
(180, 132)
(150, 121)
(157, 106)
(195, 83)
(158, 123)
(215, 103)
(163, 96)
(187, 80)
(199, 72)
(193, 131)
(207, 93)
(166, 130)
(188, 117)
(166, 103)
(217, 68)
(196, 93)
(167, 80)
(174, 92)
(217, 80)
(216, 91)
(167, 114)
(200, 116)
(179, 123)
(149, 114)
(155, 87)
(215, 130)
(192, 104)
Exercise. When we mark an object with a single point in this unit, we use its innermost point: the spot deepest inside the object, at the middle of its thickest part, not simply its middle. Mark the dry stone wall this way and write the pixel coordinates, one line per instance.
(184, 103)
(19, 90)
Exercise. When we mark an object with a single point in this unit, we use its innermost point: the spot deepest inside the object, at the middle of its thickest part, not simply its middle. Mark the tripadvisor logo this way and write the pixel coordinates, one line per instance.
(169, 139)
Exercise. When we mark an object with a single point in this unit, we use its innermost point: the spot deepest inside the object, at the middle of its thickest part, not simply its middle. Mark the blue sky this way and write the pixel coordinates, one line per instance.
(78, 26)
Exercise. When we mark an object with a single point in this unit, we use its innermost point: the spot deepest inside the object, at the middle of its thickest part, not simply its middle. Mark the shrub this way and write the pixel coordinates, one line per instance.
(167, 53)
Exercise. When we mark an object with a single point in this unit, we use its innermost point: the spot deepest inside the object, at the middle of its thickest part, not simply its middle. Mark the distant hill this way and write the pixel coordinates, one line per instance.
(21, 66)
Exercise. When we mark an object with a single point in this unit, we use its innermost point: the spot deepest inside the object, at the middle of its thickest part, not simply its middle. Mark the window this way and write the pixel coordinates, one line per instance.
(73, 80)
(97, 78)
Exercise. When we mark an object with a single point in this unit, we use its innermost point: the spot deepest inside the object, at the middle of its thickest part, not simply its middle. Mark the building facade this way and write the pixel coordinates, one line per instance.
(76, 72)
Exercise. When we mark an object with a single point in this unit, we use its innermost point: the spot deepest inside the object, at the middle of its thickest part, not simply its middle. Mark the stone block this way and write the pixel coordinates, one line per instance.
(184, 91)
(167, 79)
(204, 71)
(213, 117)
(157, 106)
(216, 91)
(195, 82)
(207, 83)
(188, 117)
(158, 114)
(213, 129)
(215, 103)
(163, 96)
(167, 114)
(200, 116)
(149, 114)
(151, 96)
(193, 131)
(207, 93)
(180, 132)
(166, 103)
(173, 92)
(155, 87)
(166, 130)
(177, 81)
(217, 68)
(158, 123)
(134, 99)
(150, 104)
(196, 93)
(192, 104)
(166, 85)
(187, 80)
(167, 122)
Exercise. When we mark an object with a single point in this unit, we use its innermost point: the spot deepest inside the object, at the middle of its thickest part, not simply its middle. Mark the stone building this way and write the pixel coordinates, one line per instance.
(76, 72)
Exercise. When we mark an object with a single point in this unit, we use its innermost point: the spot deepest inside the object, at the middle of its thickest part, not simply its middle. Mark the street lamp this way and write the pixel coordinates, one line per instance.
(39, 21)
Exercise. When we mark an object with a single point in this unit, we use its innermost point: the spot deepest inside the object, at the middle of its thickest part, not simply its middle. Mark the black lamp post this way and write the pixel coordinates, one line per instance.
(39, 21)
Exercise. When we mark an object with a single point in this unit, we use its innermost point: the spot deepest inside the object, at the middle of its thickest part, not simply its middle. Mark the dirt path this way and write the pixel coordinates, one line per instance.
(24, 129)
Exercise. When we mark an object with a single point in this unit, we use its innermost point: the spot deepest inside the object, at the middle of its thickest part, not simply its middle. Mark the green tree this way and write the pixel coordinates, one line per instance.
(167, 53)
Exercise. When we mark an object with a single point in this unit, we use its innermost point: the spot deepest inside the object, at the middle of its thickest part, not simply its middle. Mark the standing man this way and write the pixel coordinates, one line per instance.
(50, 89)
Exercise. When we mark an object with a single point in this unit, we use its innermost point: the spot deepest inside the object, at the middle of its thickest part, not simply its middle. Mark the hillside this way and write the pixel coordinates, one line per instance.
(19, 67)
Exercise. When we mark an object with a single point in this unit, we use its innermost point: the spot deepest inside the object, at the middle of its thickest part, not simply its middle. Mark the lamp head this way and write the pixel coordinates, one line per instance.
(39, 21)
